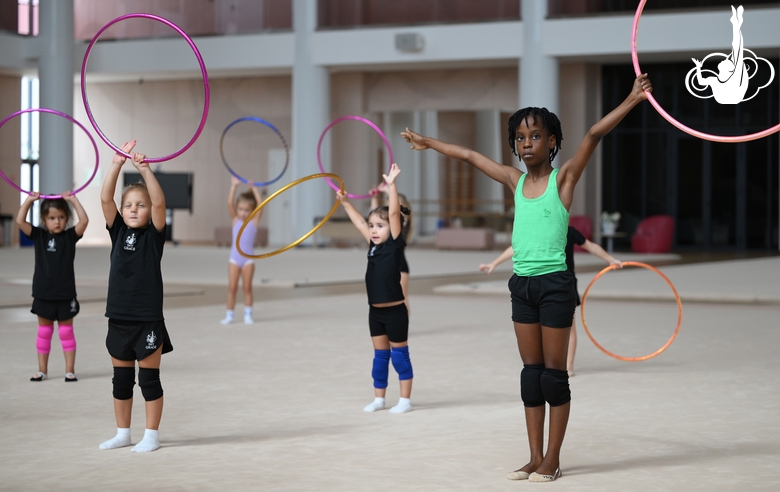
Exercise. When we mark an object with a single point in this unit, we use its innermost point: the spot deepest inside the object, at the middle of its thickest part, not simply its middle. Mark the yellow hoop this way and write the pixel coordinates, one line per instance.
(274, 195)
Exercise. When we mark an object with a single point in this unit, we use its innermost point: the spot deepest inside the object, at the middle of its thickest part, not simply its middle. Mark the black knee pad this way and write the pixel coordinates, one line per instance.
(149, 381)
(124, 380)
(555, 387)
(530, 386)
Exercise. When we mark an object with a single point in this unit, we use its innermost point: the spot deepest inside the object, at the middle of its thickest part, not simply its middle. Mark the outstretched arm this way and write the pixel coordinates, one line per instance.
(155, 191)
(234, 182)
(599, 252)
(109, 184)
(21, 216)
(507, 175)
(80, 212)
(572, 169)
(393, 205)
(258, 200)
(357, 220)
(504, 256)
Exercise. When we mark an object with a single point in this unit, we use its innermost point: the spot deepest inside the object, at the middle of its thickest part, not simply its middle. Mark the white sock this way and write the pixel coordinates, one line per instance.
(150, 442)
(377, 404)
(120, 440)
(404, 405)
(228, 317)
(248, 316)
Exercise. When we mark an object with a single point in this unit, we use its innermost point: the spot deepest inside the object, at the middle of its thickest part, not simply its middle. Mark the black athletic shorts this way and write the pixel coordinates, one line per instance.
(549, 299)
(55, 310)
(392, 321)
(576, 291)
(136, 340)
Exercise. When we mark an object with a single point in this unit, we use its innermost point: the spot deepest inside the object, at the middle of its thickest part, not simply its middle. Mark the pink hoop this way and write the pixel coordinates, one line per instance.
(206, 90)
(362, 120)
(668, 117)
(72, 120)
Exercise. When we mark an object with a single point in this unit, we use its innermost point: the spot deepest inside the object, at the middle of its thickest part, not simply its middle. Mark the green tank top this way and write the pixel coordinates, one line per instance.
(539, 232)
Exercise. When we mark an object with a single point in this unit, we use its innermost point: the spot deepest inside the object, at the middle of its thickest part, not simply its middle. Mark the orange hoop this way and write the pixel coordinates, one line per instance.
(644, 357)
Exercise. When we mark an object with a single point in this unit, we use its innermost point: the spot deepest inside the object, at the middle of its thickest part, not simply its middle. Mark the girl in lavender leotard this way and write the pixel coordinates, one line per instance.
(239, 266)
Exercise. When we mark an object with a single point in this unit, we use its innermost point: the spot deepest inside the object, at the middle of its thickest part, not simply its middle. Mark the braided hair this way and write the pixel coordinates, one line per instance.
(549, 121)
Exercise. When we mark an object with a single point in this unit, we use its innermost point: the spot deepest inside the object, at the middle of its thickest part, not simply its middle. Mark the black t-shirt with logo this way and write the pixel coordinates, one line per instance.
(135, 285)
(54, 279)
(572, 237)
(383, 275)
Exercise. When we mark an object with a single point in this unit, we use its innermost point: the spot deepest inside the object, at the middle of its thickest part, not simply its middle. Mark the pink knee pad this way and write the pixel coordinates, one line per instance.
(67, 338)
(43, 343)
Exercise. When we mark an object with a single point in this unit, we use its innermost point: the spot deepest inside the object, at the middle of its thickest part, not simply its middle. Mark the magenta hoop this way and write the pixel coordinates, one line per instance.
(668, 117)
(72, 120)
(206, 90)
(362, 120)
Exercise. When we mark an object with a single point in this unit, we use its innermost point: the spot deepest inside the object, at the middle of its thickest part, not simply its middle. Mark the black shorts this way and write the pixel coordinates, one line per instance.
(576, 291)
(549, 299)
(55, 310)
(392, 321)
(136, 340)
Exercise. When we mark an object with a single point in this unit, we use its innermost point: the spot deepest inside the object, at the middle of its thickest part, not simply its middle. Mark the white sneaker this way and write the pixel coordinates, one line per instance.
(248, 319)
(227, 320)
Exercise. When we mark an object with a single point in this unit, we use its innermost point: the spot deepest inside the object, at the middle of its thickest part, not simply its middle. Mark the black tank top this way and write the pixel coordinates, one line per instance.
(383, 275)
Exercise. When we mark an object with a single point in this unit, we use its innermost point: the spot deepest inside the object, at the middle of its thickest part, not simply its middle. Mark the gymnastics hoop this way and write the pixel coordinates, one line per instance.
(72, 120)
(362, 120)
(206, 90)
(668, 117)
(644, 357)
(272, 127)
(274, 195)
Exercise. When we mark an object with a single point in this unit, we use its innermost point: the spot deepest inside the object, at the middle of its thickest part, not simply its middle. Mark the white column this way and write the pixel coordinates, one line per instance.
(55, 70)
(538, 72)
(310, 115)
(430, 175)
(489, 139)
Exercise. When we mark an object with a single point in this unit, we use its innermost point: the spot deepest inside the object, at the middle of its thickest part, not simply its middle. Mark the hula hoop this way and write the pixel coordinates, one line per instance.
(272, 127)
(274, 195)
(72, 120)
(668, 117)
(644, 357)
(362, 120)
(206, 90)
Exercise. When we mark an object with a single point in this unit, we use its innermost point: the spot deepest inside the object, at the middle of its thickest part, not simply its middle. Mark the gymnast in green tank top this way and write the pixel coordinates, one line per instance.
(542, 291)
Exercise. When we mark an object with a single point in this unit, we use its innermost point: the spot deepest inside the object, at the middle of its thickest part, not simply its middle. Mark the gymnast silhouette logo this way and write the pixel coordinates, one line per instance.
(730, 84)
(52, 246)
(130, 242)
(73, 306)
(150, 339)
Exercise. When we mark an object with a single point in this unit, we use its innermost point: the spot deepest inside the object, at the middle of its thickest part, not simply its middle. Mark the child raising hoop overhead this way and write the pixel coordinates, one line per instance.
(239, 266)
(543, 297)
(134, 308)
(54, 282)
(388, 318)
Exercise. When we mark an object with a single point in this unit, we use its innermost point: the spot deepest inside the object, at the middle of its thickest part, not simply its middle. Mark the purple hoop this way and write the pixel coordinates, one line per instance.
(206, 90)
(72, 120)
(668, 117)
(362, 120)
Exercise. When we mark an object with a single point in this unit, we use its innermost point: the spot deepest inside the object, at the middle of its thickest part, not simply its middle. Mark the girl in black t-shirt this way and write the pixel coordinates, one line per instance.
(134, 306)
(388, 318)
(54, 283)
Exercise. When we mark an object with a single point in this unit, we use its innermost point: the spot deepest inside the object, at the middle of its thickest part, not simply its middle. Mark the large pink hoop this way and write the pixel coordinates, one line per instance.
(206, 90)
(72, 120)
(668, 117)
(362, 120)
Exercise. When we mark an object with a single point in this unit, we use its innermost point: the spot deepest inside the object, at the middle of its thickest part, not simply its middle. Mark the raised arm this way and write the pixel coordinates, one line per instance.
(504, 256)
(259, 200)
(507, 175)
(21, 216)
(599, 252)
(393, 205)
(109, 184)
(231, 203)
(155, 191)
(80, 212)
(357, 220)
(571, 171)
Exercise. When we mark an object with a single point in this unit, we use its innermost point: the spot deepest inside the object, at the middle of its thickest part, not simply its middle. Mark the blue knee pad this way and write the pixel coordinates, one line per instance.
(149, 381)
(530, 385)
(402, 363)
(555, 387)
(381, 368)
(124, 380)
